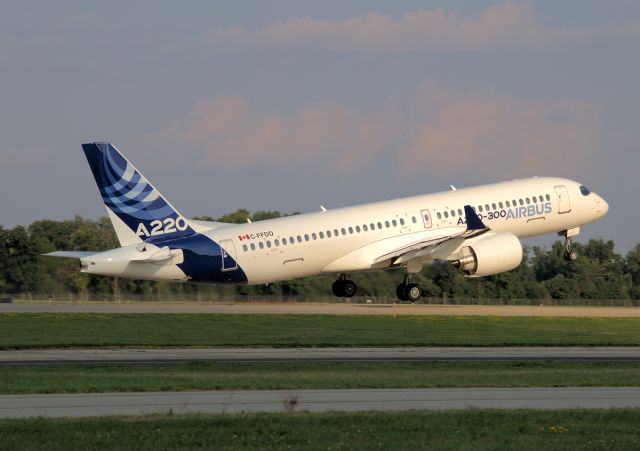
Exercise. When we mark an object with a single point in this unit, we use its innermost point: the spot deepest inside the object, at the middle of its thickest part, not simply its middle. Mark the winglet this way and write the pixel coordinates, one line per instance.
(473, 221)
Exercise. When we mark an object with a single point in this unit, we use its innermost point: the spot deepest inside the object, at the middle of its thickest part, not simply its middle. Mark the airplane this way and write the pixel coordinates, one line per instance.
(477, 230)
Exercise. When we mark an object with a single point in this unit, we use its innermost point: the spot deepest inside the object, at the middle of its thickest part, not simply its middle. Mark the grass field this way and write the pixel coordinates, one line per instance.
(265, 376)
(41, 330)
(449, 430)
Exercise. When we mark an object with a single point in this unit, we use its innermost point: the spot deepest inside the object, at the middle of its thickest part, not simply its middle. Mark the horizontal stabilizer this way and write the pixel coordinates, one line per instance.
(69, 254)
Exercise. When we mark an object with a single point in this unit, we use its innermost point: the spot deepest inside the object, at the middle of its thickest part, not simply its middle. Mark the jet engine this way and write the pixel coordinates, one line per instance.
(490, 255)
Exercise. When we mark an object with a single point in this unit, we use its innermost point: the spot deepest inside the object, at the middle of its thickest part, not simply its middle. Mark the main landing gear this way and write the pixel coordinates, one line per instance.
(408, 291)
(343, 287)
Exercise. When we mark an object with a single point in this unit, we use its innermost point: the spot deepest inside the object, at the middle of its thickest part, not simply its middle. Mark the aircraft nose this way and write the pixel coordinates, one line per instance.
(602, 207)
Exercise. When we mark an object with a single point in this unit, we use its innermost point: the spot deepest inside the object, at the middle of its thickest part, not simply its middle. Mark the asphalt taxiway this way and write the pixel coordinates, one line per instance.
(94, 404)
(404, 354)
(318, 309)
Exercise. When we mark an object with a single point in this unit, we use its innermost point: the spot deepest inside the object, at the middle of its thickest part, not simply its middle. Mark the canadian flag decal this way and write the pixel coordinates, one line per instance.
(244, 237)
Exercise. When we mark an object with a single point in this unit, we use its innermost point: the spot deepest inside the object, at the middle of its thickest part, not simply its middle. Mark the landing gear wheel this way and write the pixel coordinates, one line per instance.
(570, 255)
(413, 292)
(349, 288)
(337, 288)
(401, 292)
(344, 288)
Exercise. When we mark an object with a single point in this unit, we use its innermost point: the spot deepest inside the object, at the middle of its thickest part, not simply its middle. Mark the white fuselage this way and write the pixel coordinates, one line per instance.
(307, 244)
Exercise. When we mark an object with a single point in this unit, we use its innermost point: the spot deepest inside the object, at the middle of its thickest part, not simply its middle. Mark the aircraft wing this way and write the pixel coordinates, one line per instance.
(430, 244)
(437, 247)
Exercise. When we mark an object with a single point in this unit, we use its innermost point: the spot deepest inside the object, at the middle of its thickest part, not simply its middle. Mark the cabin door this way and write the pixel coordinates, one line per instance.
(228, 251)
(564, 206)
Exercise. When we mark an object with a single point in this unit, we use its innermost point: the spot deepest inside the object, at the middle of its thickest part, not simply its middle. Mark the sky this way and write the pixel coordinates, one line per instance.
(289, 105)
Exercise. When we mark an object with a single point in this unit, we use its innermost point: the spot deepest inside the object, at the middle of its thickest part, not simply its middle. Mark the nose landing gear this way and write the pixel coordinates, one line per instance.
(569, 254)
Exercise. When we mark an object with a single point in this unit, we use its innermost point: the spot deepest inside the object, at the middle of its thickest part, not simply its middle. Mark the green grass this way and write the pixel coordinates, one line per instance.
(41, 330)
(265, 376)
(449, 430)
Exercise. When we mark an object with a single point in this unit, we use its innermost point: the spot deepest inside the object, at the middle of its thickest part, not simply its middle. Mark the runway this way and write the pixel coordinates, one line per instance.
(83, 405)
(318, 309)
(178, 355)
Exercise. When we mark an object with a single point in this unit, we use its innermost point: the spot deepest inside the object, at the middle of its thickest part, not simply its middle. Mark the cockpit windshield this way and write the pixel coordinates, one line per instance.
(584, 190)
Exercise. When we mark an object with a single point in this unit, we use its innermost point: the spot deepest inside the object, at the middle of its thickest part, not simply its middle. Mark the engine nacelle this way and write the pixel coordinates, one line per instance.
(491, 255)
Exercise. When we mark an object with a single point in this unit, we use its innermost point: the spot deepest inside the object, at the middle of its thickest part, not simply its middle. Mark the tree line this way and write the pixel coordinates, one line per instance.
(599, 273)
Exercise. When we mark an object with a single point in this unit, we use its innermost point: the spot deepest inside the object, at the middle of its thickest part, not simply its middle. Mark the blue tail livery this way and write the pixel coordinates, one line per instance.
(137, 210)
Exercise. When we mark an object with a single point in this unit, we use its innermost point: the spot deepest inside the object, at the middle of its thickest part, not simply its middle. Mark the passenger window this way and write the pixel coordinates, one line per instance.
(379, 225)
(500, 205)
(548, 197)
(527, 200)
(480, 208)
(387, 225)
(253, 247)
(487, 207)
(299, 239)
(269, 243)
(276, 242)
(291, 241)
(321, 235)
(306, 237)
(401, 221)
(284, 241)
(364, 227)
(373, 226)
(453, 213)
(358, 228)
(245, 248)
(446, 214)
(344, 231)
(413, 219)
(459, 211)
(521, 201)
(395, 224)
(313, 236)
(534, 199)
(541, 198)
(508, 204)
(261, 245)
(351, 230)
(328, 233)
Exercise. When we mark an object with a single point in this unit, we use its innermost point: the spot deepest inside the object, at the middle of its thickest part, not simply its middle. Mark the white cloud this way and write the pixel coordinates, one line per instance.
(508, 24)
(438, 128)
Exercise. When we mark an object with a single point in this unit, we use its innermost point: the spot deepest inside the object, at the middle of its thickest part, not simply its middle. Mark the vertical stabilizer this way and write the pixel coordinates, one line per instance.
(136, 209)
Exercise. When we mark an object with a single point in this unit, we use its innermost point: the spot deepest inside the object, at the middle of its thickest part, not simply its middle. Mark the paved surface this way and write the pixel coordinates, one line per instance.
(176, 355)
(322, 309)
(80, 405)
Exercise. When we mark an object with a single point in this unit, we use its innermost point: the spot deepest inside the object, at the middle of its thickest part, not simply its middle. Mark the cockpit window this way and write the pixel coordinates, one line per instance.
(584, 190)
